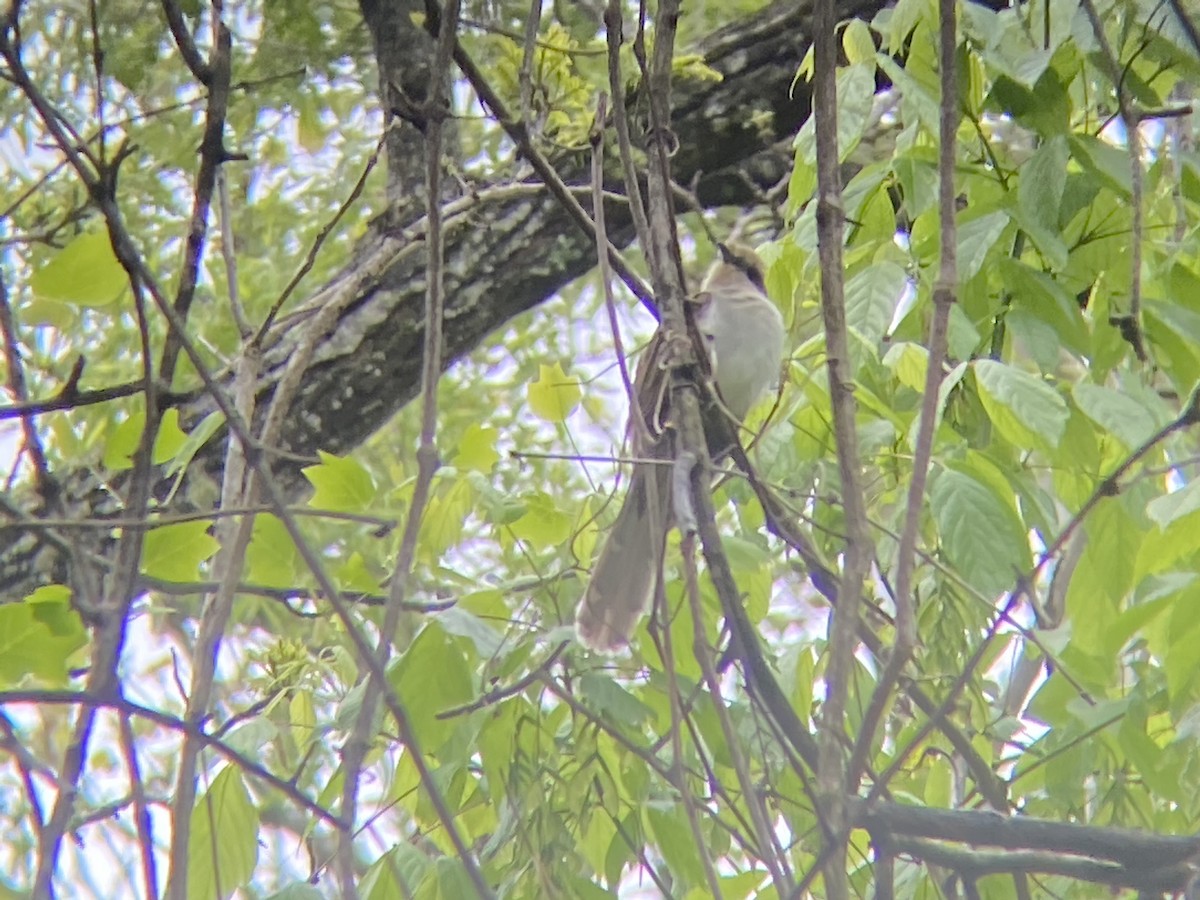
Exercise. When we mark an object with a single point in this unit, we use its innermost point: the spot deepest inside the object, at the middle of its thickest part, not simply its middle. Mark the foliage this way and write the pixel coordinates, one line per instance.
(1056, 577)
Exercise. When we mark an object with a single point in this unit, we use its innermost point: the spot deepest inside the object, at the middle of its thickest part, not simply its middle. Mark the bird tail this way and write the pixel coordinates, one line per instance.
(622, 580)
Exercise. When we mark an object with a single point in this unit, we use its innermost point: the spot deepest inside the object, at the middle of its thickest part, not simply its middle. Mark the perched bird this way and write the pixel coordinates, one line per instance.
(743, 334)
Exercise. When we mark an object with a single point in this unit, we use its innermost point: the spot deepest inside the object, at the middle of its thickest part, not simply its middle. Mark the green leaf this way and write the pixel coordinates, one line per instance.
(298, 891)
(272, 557)
(1166, 509)
(1023, 408)
(432, 676)
(975, 239)
(175, 552)
(871, 298)
(552, 395)
(610, 699)
(223, 845)
(310, 132)
(355, 575)
(1110, 165)
(84, 272)
(170, 438)
(395, 874)
(858, 43)
(38, 637)
(126, 437)
(1043, 180)
(1104, 575)
(1117, 413)
(341, 484)
(856, 98)
(543, 524)
(1046, 107)
(980, 533)
(1048, 300)
(908, 363)
(672, 834)
(302, 720)
(196, 439)
(476, 449)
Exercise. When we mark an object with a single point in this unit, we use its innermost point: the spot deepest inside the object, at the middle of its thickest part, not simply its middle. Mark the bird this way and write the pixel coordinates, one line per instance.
(742, 334)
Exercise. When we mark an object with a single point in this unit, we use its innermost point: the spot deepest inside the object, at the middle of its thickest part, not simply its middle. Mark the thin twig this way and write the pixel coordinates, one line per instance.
(174, 723)
(15, 370)
(844, 625)
(945, 294)
(750, 794)
(354, 750)
(141, 812)
(614, 27)
(546, 171)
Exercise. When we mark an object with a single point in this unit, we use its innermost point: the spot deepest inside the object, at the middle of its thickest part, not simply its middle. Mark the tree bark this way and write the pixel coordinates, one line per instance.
(514, 253)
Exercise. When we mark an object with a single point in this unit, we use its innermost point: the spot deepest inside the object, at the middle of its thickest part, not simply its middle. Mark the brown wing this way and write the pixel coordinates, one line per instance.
(652, 379)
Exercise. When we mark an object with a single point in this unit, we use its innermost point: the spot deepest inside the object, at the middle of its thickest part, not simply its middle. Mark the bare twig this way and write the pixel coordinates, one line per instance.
(174, 723)
(192, 57)
(229, 255)
(660, 630)
(354, 750)
(141, 812)
(843, 639)
(776, 865)
(546, 172)
(614, 27)
(15, 370)
(525, 77)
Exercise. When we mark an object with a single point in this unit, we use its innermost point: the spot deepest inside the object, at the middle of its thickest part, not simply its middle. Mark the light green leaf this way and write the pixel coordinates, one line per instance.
(126, 437)
(463, 623)
(858, 43)
(476, 449)
(1104, 574)
(962, 336)
(908, 362)
(543, 524)
(298, 891)
(980, 533)
(175, 552)
(302, 718)
(856, 97)
(196, 439)
(170, 438)
(553, 395)
(84, 272)
(442, 524)
(223, 845)
(1023, 408)
(1166, 509)
(38, 637)
(432, 676)
(340, 483)
(271, 558)
(1047, 299)
(354, 575)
